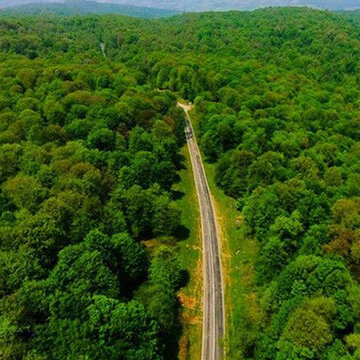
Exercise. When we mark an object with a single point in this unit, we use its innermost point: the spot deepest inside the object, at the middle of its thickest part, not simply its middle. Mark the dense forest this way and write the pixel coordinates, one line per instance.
(88, 157)
(90, 151)
(81, 7)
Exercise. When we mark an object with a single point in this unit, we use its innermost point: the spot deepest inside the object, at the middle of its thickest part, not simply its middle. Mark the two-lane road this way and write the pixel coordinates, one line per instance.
(213, 297)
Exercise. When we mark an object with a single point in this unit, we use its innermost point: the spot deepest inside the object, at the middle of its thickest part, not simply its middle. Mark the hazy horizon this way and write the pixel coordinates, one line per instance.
(202, 5)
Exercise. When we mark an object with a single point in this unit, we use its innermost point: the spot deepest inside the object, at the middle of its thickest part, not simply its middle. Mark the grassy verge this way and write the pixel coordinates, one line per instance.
(238, 257)
(190, 257)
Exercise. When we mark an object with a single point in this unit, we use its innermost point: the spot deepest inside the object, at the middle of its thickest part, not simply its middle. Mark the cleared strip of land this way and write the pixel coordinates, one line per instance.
(213, 298)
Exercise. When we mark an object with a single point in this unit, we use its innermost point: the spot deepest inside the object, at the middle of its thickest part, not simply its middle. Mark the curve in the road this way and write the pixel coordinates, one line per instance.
(213, 297)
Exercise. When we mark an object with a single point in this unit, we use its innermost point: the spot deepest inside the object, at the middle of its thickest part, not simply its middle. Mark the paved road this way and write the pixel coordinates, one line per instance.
(213, 298)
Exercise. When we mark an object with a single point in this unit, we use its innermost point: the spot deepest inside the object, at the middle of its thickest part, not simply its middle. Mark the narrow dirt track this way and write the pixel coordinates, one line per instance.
(213, 297)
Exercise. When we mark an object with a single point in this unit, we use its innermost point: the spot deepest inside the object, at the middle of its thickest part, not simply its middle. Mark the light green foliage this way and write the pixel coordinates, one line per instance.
(24, 191)
(308, 330)
(165, 276)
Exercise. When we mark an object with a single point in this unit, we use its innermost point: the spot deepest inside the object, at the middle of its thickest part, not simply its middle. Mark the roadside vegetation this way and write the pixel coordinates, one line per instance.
(190, 256)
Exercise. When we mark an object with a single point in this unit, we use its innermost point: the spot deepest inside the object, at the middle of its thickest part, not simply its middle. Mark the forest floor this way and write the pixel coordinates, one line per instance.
(191, 260)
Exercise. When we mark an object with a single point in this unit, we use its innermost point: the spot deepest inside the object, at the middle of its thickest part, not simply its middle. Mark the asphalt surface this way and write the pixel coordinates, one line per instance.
(213, 297)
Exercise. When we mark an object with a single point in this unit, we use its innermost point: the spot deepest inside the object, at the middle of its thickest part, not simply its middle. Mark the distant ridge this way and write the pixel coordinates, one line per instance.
(162, 8)
(203, 5)
(82, 7)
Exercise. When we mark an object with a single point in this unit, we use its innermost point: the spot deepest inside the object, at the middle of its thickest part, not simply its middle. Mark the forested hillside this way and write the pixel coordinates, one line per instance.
(81, 7)
(89, 153)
